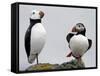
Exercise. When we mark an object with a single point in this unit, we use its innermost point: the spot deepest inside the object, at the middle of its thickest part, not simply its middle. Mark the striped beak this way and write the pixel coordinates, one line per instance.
(75, 30)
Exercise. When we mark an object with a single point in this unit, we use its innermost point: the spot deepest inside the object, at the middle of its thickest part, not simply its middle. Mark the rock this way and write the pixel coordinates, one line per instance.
(42, 66)
(71, 65)
(66, 65)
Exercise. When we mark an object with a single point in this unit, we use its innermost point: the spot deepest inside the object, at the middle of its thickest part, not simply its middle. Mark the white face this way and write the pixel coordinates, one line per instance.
(36, 14)
(80, 27)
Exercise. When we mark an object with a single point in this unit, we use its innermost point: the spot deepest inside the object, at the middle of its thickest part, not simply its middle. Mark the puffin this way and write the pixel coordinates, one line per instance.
(79, 44)
(35, 36)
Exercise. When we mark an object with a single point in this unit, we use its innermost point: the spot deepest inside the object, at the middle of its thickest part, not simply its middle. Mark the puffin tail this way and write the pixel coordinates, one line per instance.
(31, 58)
(69, 55)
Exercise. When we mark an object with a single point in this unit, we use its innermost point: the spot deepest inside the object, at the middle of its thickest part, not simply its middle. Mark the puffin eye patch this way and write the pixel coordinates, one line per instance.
(79, 25)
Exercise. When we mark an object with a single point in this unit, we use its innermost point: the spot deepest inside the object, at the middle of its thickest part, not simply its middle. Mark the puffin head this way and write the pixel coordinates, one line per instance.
(36, 14)
(79, 28)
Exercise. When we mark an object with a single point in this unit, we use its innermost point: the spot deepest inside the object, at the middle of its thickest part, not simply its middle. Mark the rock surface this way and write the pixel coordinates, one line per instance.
(66, 65)
(71, 65)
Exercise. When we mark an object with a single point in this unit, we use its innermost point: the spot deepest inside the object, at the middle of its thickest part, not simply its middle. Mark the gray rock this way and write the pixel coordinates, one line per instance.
(71, 65)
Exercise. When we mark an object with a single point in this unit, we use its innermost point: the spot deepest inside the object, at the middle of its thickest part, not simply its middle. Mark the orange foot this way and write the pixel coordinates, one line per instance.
(69, 55)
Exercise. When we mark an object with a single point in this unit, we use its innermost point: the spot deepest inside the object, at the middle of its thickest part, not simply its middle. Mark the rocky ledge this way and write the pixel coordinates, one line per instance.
(66, 65)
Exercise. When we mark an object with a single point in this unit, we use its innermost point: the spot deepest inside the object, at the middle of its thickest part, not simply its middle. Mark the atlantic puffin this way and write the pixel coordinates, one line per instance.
(35, 36)
(78, 42)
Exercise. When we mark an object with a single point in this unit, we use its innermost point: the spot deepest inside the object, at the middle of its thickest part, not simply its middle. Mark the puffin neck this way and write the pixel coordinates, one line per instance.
(83, 33)
(34, 21)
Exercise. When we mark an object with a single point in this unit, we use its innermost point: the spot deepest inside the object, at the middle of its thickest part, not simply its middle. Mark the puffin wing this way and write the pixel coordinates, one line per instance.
(90, 43)
(69, 36)
(27, 42)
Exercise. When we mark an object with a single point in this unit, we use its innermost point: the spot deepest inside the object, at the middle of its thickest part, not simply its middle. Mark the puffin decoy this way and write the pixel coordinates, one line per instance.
(79, 44)
(35, 36)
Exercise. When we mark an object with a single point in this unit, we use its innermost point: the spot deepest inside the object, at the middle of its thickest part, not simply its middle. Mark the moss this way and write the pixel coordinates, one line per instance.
(71, 65)
(42, 66)
(66, 65)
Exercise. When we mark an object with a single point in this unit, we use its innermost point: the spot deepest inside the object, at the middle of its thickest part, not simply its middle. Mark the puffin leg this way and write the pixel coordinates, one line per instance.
(78, 58)
(69, 55)
(37, 58)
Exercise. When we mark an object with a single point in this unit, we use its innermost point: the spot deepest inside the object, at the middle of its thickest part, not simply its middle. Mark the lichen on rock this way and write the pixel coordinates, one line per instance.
(42, 66)
(71, 65)
(65, 65)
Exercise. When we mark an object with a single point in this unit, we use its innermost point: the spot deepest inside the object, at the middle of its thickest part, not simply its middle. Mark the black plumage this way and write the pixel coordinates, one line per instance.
(28, 35)
(77, 30)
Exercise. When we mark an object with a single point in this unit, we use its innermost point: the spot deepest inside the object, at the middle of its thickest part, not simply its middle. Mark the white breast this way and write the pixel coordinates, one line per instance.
(38, 38)
(79, 45)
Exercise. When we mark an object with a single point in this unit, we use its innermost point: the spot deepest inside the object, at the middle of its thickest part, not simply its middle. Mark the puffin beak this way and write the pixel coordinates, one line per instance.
(74, 29)
(41, 14)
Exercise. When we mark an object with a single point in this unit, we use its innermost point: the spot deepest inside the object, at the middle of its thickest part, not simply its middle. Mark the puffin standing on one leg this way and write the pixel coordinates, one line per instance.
(78, 42)
(35, 36)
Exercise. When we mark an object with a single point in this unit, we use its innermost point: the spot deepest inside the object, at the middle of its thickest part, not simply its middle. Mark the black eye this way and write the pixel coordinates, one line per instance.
(33, 12)
(79, 25)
